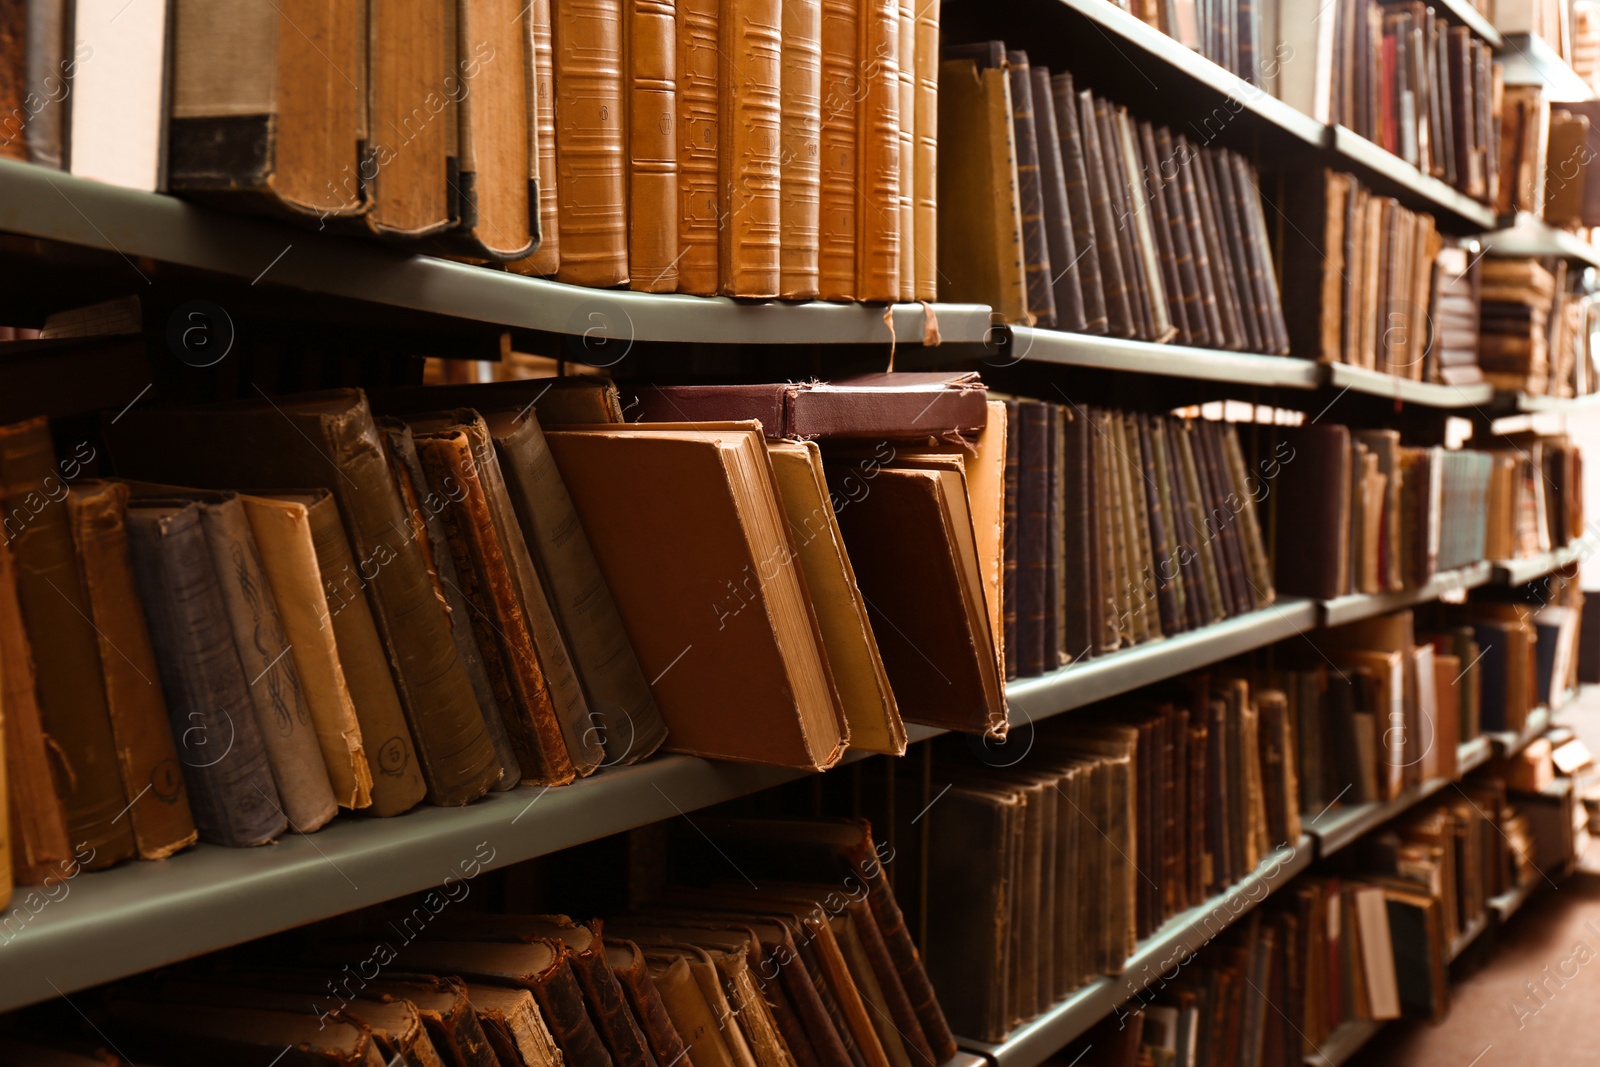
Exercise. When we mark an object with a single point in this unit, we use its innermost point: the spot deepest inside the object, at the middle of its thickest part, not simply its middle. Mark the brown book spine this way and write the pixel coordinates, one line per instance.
(1085, 263)
(1032, 516)
(1105, 239)
(547, 258)
(648, 1009)
(607, 1007)
(1199, 243)
(800, 178)
(877, 181)
(1035, 246)
(698, 135)
(72, 698)
(924, 260)
(836, 254)
(904, 1016)
(561, 1001)
(651, 51)
(1149, 180)
(750, 75)
(162, 823)
(1171, 191)
(589, 142)
(1012, 534)
(1066, 280)
(907, 116)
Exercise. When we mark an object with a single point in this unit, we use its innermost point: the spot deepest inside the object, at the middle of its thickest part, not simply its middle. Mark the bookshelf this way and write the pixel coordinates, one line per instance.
(1529, 60)
(1035, 1042)
(1410, 183)
(1145, 357)
(1336, 828)
(45, 204)
(1426, 394)
(1463, 12)
(1510, 902)
(1522, 571)
(1522, 403)
(1529, 236)
(1344, 1043)
(1469, 933)
(1474, 754)
(1508, 743)
(1357, 606)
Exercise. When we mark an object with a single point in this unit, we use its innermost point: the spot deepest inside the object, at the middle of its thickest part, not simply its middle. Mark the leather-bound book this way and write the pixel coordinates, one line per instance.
(628, 964)
(1012, 546)
(1313, 495)
(1033, 509)
(1078, 518)
(267, 104)
(878, 152)
(390, 753)
(1129, 244)
(231, 790)
(484, 567)
(1084, 265)
(750, 81)
(1063, 252)
(1199, 242)
(441, 1000)
(590, 121)
(55, 611)
(1313, 270)
(425, 509)
(1147, 176)
(1156, 584)
(800, 132)
(192, 1034)
(1220, 253)
(650, 61)
(36, 821)
(703, 1031)
(1259, 245)
(329, 440)
(511, 1021)
(162, 823)
(906, 44)
(674, 511)
(547, 257)
(408, 164)
(1108, 235)
(1162, 325)
(1231, 230)
(1035, 244)
(284, 540)
(1190, 294)
(924, 258)
(838, 142)
(699, 138)
(980, 254)
(498, 173)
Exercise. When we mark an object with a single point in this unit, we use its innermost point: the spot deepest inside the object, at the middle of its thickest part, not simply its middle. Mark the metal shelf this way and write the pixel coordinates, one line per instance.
(1173, 361)
(1038, 1040)
(1474, 20)
(1508, 744)
(1473, 754)
(1468, 935)
(1083, 683)
(1529, 236)
(1365, 605)
(1565, 405)
(47, 204)
(1435, 195)
(1345, 1041)
(1527, 60)
(1336, 828)
(1425, 394)
(1522, 571)
(1510, 902)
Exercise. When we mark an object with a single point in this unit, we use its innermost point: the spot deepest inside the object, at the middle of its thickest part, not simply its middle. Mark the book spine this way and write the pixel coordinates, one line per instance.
(1035, 247)
(1032, 506)
(547, 258)
(1085, 263)
(607, 1008)
(652, 59)
(645, 1000)
(836, 250)
(589, 150)
(1013, 526)
(1057, 217)
(1104, 240)
(907, 62)
(877, 180)
(698, 135)
(561, 1002)
(800, 177)
(924, 260)
(750, 75)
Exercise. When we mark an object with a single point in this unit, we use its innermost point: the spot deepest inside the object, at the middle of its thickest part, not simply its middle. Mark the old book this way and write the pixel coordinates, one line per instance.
(1148, 176)
(1030, 190)
(442, 1002)
(547, 257)
(749, 78)
(1314, 490)
(1085, 262)
(193, 1034)
(410, 157)
(589, 104)
(1066, 280)
(390, 753)
(847, 637)
(924, 258)
(654, 558)
(906, 64)
(231, 790)
(116, 130)
(288, 551)
(162, 823)
(800, 133)
(699, 140)
(981, 255)
(838, 144)
(55, 611)
(1105, 117)
(705, 1029)
(632, 971)
(1033, 511)
(877, 181)
(1129, 160)
(650, 60)
(511, 1021)
(329, 440)
(1108, 233)
(267, 103)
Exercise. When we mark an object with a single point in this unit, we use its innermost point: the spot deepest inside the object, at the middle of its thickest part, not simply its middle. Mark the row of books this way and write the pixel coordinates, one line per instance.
(1123, 528)
(1095, 221)
(1044, 874)
(815, 967)
(1535, 495)
(747, 151)
(1537, 320)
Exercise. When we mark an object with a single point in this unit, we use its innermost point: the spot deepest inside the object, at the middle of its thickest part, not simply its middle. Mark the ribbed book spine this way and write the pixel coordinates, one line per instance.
(589, 149)
(652, 60)
(924, 260)
(698, 134)
(800, 177)
(836, 251)
(751, 72)
(878, 157)
(1041, 297)
(907, 43)
(547, 258)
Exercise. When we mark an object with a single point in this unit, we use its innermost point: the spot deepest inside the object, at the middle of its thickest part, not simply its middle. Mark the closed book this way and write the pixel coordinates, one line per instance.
(650, 53)
(1061, 244)
(800, 162)
(906, 44)
(678, 513)
(230, 781)
(925, 240)
(1147, 176)
(511, 1021)
(590, 121)
(158, 806)
(547, 257)
(285, 542)
(55, 611)
(1033, 510)
(1011, 520)
(750, 79)
(267, 104)
(1084, 265)
(1313, 495)
(442, 1002)
(411, 156)
(1121, 319)
(699, 136)
(877, 181)
(329, 440)
(1035, 244)
(632, 971)
(116, 130)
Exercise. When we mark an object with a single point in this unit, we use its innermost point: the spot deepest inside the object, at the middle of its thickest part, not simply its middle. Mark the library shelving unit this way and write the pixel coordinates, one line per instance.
(1528, 235)
(1356, 606)
(1522, 571)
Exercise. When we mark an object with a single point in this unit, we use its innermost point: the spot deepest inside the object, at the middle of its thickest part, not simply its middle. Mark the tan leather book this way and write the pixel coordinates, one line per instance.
(627, 962)
(702, 1030)
(906, 43)
(266, 105)
(841, 106)
(1567, 161)
(511, 1020)
(800, 131)
(650, 60)
(442, 1002)
(869, 704)
(980, 253)
(750, 82)
(590, 119)
(547, 257)
(699, 133)
(671, 512)
(411, 154)
(55, 611)
(282, 529)
(36, 823)
(924, 258)
(877, 183)
(159, 804)
(872, 995)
